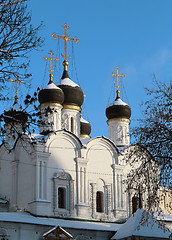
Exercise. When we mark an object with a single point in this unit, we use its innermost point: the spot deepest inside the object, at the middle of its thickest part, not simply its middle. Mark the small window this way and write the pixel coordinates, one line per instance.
(62, 197)
(99, 201)
(135, 204)
(72, 124)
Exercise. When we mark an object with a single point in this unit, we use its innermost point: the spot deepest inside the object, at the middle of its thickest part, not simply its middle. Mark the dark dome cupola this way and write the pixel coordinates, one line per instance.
(73, 94)
(15, 117)
(51, 93)
(51, 99)
(15, 114)
(118, 109)
(118, 114)
(85, 128)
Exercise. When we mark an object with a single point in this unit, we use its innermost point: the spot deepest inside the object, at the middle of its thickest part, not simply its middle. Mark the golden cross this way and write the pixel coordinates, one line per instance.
(117, 75)
(65, 38)
(16, 81)
(51, 65)
(51, 59)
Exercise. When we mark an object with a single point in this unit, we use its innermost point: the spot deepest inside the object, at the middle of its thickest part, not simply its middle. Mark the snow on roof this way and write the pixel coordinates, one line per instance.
(23, 217)
(117, 102)
(37, 137)
(163, 217)
(51, 86)
(3, 201)
(58, 228)
(83, 120)
(142, 224)
(67, 81)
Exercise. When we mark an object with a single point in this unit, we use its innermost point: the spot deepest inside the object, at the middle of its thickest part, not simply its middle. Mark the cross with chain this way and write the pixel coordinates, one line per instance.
(117, 75)
(16, 81)
(65, 38)
(51, 65)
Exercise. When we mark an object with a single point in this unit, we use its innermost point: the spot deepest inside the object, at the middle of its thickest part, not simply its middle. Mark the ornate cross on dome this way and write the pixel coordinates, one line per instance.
(16, 81)
(65, 38)
(117, 75)
(51, 65)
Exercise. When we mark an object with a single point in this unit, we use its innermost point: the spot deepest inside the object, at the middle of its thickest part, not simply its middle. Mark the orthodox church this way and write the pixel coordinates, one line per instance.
(63, 177)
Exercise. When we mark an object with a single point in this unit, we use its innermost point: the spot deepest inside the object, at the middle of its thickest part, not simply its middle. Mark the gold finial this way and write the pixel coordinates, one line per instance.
(16, 81)
(117, 75)
(65, 38)
(51, 65)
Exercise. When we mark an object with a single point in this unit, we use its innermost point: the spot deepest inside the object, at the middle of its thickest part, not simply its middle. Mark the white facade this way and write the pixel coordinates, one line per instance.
(59, 175)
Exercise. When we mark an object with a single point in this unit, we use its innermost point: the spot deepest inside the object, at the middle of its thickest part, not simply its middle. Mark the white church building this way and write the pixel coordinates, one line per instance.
(61, 176)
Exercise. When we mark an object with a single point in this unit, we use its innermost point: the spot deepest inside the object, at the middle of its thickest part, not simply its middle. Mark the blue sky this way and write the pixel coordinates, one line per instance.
(134, 35)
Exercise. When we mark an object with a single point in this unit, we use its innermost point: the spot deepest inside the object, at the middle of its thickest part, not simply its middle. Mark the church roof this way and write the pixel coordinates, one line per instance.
(142, 224)
(23, 217)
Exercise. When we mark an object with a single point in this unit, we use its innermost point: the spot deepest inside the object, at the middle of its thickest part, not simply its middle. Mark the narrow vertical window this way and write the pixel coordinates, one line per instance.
(121, 191)
(61, 197)
(118, 190)
(81, 184)
(72, 124)
(40, 179)
(85, 185)
(99, 201)
(45, 181)
(135, 204)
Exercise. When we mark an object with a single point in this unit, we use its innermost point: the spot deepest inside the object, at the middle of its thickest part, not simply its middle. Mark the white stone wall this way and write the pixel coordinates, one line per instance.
(119, 132)
(50, 117)
(69, 115)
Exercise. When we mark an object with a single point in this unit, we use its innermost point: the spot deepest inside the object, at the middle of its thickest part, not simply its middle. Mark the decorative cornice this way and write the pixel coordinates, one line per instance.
(118, 119)
(72, 107)
(84, 136)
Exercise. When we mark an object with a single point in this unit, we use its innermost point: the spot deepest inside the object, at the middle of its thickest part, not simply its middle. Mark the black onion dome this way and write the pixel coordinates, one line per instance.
(85, 127)
(118, 109)
(51, 94)
(73, 94)
(15, 114)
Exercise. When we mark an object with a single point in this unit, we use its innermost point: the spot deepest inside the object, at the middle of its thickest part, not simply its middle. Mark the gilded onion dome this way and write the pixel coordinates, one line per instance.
(73, 94)
(118, 109)
(85, 128)
(51, 93)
